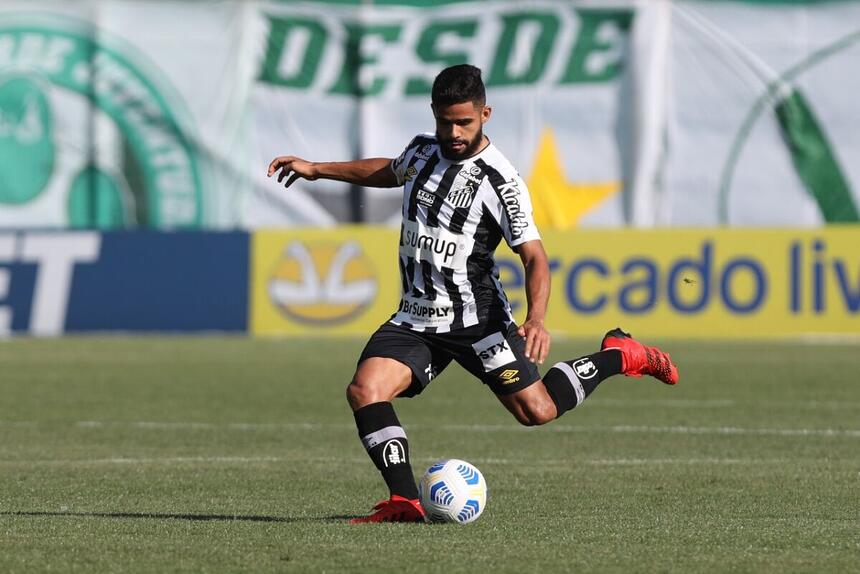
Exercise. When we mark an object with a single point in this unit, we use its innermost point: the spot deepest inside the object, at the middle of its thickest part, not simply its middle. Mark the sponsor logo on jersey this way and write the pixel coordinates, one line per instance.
(473, 174)
(426, 312)
(433, 244)
(461, 197)
(494, 352)
(584, 369)
(425, 153)
(510, 194)
(509, 376)
(425, 197)
(322, 283)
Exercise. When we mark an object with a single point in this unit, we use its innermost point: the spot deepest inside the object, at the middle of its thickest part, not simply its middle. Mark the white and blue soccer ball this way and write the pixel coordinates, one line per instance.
(453, 491)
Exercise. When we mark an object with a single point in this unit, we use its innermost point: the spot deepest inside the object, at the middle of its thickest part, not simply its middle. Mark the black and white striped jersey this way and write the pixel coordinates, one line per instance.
(454, 216)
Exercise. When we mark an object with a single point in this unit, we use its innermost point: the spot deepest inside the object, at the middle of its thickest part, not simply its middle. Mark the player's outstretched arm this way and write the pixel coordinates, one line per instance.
(536, 266)
(373, 172)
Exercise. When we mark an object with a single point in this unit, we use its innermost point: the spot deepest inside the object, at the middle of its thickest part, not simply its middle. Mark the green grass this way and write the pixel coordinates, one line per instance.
(231, 455)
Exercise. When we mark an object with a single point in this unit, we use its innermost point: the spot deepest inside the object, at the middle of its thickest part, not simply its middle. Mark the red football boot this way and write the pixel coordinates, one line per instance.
(638, 359)
(395, 509)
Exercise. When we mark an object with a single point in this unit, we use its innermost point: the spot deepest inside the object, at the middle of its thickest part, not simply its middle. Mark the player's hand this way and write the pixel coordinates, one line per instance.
(537, 340)
(292, 168)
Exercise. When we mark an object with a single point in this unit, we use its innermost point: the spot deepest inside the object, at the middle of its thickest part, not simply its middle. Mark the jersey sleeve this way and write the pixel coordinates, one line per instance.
(400, 164)
(511, 206)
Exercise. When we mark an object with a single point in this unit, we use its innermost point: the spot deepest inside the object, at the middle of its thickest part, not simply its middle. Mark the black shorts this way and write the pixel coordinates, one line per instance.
(493, 352)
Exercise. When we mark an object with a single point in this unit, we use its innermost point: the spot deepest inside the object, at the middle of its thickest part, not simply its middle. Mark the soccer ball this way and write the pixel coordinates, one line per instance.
(453, 491)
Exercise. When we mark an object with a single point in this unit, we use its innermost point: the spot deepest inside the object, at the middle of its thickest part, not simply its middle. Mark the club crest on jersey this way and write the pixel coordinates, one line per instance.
(410, 173)
(461, 197)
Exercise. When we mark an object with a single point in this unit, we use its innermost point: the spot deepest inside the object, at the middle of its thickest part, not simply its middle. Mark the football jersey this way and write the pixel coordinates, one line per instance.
(455, 213)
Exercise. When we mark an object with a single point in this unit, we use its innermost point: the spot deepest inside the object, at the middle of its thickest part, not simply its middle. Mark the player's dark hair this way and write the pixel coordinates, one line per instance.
(458, 84)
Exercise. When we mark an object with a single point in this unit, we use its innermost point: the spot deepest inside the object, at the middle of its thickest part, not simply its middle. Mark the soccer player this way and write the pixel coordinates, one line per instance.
(461, 196)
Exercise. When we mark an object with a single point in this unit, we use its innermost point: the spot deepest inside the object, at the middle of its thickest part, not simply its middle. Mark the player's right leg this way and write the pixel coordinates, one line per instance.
(375, 384)
(377, 379)
(395, 362)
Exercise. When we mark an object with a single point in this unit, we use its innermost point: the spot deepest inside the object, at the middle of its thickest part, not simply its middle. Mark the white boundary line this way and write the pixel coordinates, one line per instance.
(853, 433)
(482, 428)
(242, 460)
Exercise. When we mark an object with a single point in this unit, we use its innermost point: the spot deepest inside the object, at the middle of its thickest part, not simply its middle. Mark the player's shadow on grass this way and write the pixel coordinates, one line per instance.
(191, 517)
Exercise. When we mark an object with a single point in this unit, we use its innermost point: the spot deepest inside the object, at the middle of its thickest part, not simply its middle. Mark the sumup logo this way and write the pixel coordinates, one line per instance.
(88, 136)
(322, 283)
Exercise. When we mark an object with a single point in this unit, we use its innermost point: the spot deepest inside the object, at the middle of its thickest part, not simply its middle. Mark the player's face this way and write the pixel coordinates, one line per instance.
(459, 128)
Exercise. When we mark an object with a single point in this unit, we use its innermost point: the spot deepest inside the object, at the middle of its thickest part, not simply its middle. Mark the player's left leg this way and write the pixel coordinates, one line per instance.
(568, 383)
(563, 387)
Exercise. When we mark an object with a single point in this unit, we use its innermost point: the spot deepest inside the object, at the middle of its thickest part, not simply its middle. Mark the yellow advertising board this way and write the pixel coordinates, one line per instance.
(340, 281)
(656, 283)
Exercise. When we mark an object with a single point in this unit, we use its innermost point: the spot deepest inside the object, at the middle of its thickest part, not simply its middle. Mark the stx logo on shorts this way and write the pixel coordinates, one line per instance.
(584, 368)
(494, 352)
(509, 376)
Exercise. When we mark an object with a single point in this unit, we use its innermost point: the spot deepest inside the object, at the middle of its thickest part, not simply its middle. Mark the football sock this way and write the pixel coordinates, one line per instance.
(385, 442)
(570, 382)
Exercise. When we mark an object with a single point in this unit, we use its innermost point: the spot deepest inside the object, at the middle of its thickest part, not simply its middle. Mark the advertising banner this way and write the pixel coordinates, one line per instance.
(323, 282)
(55, 283)
(119, 114)
(759, 128)
(672, 283)
(695, 284)
(345, 281)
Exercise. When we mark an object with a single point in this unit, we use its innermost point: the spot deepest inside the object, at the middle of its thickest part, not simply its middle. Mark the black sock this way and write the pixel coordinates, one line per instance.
(570, 382)
(385, 442)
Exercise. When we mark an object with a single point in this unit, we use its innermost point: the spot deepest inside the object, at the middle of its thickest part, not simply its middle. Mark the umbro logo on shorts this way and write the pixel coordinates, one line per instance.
(509, 376)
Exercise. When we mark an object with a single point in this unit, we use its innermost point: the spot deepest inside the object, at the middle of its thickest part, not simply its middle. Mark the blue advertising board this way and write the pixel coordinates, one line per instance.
(58, 282)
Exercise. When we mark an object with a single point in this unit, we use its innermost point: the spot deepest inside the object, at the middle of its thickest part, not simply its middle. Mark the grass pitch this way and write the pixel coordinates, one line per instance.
(231, 455)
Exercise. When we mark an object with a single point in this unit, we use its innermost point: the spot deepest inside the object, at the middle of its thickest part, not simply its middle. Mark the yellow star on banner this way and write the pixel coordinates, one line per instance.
(557, 203)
